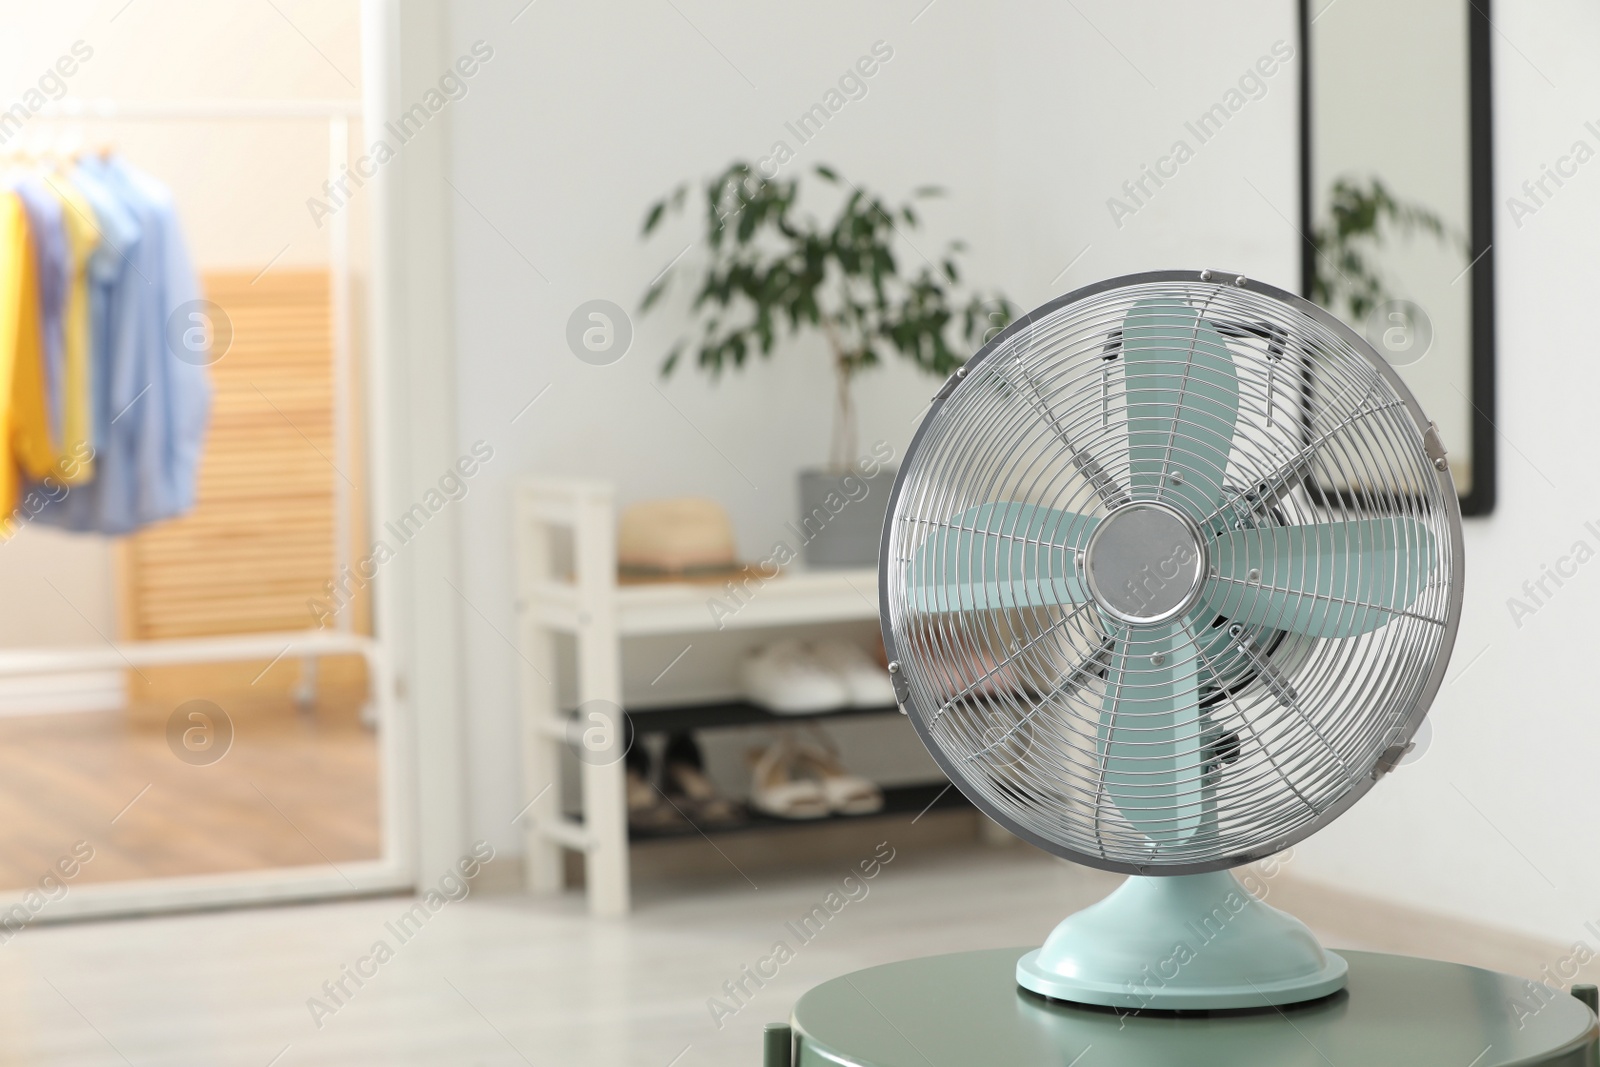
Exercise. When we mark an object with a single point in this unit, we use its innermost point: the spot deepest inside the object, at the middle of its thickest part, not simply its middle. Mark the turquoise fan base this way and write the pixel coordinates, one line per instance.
(1197, 942)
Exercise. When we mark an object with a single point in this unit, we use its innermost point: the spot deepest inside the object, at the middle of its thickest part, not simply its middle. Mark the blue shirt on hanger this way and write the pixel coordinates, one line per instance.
(105, 503)
(139, 383)
(151, 406)
(186, 384)
(55, 268)
(109, 306)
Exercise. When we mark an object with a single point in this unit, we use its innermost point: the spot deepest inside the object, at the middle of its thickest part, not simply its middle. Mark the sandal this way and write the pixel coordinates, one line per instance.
(685, 782)
(647, 808)
(846, 793)
(778, 790)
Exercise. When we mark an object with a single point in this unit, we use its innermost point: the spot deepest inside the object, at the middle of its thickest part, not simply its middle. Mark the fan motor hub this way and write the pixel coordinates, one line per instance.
(1145, 563)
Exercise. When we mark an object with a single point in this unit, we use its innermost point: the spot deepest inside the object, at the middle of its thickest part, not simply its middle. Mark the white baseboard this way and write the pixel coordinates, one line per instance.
(49, 694)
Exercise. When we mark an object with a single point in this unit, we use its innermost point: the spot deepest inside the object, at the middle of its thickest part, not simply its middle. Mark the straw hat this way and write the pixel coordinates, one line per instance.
(678, 536)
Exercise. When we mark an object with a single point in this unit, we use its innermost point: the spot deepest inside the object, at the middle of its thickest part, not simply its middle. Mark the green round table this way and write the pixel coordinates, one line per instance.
(966, 1009)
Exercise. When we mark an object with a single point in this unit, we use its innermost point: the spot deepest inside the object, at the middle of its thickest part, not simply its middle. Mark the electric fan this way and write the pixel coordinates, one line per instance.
(1170, 575)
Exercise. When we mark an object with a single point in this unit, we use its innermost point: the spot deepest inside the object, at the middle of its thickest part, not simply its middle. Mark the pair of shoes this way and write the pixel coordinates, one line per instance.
(685, 783)
(684, 797)
(794, 780)
(648, 809)
(802, 678)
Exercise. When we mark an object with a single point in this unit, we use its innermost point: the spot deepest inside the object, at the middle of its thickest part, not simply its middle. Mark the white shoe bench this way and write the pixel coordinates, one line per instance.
(580, 597)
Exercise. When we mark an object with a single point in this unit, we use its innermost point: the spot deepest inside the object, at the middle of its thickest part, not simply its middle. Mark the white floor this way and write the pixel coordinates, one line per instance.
(501, 979)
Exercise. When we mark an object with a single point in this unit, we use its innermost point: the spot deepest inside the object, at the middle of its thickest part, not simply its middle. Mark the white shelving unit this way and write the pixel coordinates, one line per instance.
(599, 615)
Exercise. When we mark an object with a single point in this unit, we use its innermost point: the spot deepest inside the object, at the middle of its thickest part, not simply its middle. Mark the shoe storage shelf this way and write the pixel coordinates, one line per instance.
(579, 596)
(910, 800)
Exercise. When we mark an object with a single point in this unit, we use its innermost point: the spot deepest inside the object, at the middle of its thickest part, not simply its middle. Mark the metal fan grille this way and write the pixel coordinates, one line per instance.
(1284, 686)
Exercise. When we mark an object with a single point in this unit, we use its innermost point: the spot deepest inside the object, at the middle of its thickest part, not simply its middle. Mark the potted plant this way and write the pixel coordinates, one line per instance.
(770, 270)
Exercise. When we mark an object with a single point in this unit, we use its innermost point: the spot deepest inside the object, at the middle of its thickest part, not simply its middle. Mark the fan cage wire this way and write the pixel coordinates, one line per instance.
(1010, 700)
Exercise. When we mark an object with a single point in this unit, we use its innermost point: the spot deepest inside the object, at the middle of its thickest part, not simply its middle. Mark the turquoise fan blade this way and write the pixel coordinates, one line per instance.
(1334, 579)
(1149, 736)
(1004, 555)
(1183, 401)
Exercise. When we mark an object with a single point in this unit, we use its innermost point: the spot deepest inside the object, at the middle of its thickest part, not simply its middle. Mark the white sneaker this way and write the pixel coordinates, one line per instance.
(786, 678)
(864, 678)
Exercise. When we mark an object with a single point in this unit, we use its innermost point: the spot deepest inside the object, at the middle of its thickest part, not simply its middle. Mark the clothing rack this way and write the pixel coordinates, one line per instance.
(308, 645)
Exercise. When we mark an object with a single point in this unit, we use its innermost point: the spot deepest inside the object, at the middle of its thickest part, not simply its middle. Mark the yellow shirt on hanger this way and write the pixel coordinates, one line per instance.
(14, 252)
(25, 444)
(22, 343)
(77, 421)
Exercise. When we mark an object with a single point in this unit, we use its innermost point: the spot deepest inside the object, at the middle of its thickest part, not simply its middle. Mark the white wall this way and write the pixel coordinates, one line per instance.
(1031, 119)
(1030, 116)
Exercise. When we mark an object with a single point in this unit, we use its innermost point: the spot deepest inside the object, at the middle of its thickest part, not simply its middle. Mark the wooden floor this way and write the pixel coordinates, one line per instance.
(292, 790)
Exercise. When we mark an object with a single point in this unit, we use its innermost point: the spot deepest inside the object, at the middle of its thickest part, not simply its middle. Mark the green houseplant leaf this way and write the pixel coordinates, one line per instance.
(770, 271)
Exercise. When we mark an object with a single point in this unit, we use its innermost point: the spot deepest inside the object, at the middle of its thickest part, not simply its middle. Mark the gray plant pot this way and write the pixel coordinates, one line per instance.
(841, 517)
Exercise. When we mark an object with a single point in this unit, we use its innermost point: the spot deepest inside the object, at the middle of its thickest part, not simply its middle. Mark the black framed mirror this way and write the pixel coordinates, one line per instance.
(1396, 203)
